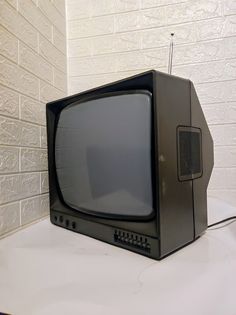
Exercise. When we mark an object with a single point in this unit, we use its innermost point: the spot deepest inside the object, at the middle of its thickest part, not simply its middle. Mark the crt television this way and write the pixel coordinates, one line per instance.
(130, 162)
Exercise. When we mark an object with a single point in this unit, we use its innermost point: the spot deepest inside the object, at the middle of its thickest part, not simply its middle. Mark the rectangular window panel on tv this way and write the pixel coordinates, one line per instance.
(103, 155)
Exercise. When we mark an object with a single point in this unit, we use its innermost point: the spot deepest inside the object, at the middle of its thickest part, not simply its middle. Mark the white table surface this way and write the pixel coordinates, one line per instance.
(45, 269)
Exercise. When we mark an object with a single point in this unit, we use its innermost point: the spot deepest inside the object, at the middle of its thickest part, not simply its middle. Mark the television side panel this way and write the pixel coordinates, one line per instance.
(200, 184)
(175, 196)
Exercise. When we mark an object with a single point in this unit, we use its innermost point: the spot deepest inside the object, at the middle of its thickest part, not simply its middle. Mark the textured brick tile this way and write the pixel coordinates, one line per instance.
(228, 196)
(94, 65)
(78, 9)
(17, 25)
(209, 29)
(167, 15)
(220, 113)
(9, 160)
(52, 14)
(44, 182)
(223, 134)
(229, 28)
(43, 134)
(28, 9)
(223, 178)
(13, 3)
(217, 92)
(205, 51)
(127, 21)
(80, 47)
(34, 63)
(154, 17)
(15, 132)
(9, 102)
(143, 59)
(158, 37)
(192, 11)
(225, 156)
(215, 28)
(32, 111)
(59, 40)
(90, 27)
(53, 55)
(33, 159)
(60, 80)
(78, 84)
(49, 93)
(184, 33)
(9, 217)
(208, 72)
(18, 186)
(34, 208)
(18, 79)
(116, 43)
(127, 74)
(156, 3)
(60, 5)
(8, 44)
(102, 7)
(229, 7)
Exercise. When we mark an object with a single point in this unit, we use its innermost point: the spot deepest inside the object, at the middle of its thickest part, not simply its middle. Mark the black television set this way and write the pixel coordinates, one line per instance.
(129, 163)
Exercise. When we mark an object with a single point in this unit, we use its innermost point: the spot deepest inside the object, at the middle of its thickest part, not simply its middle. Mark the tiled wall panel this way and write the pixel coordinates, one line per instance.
(10, 217)
(34, 208)
(32, 72)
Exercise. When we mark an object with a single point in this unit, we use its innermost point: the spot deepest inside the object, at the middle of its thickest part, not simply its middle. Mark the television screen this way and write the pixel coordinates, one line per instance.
(103, 155)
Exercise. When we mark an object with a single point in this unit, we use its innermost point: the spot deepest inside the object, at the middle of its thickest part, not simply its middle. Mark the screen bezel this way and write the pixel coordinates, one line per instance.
(153, 171)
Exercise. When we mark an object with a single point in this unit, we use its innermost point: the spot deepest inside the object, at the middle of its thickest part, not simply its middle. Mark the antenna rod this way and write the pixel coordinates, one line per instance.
(170, 53)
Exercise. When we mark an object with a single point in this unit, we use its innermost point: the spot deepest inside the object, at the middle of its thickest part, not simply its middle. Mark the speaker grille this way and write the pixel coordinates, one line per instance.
(189, 153)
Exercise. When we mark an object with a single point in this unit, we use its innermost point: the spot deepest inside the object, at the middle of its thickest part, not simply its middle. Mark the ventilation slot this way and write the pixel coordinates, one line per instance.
(132, 240)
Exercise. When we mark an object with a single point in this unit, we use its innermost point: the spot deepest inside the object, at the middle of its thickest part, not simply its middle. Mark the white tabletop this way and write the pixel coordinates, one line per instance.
(45, 269)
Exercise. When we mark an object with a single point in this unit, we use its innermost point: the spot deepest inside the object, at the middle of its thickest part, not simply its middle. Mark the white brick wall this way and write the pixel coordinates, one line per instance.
(107, 40)
(111, 39)
(32, 72)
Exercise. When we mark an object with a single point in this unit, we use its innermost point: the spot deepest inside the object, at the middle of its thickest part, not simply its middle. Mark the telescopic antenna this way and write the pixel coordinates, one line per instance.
(170, 53)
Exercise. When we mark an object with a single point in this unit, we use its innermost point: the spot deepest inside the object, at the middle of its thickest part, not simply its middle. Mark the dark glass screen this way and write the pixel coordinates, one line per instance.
(103, 155)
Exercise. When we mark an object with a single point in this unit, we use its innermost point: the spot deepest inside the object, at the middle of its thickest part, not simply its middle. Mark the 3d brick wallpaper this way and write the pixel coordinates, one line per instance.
(112, 39)
(32, 72)
(106, 40)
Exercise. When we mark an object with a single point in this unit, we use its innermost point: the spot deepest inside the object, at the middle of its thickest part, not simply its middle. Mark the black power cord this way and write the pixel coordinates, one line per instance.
(222, 221)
